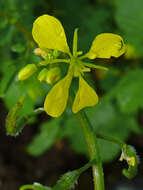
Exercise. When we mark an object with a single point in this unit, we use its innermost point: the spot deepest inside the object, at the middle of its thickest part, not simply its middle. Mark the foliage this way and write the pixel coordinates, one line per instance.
(128, 18)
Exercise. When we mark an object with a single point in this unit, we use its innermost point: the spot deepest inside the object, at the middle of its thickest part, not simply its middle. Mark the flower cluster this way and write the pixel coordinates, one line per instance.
(49, 34)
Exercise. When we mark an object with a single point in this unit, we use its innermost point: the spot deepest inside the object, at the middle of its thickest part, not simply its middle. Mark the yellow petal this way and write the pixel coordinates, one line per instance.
(49, 33)
(106, 45)
(85, 96)
(56, 100)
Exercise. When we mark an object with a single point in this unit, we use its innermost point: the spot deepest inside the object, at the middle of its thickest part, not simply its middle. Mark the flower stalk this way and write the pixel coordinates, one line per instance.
(98, 176)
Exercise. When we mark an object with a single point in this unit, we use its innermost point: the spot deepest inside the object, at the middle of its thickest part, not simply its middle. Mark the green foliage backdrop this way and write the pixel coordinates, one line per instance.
(120, 89)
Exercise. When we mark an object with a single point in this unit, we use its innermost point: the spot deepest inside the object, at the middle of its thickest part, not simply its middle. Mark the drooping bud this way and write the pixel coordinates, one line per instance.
(69, 179)
(129, 154)
(43, 74)
(27, 71)
(53, 75)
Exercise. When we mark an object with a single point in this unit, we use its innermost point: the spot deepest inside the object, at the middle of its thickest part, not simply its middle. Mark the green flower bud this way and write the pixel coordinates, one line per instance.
(27, 71)
(67, 181)
(129, 154)
(53, 75)
(55, 53)
(42, 75)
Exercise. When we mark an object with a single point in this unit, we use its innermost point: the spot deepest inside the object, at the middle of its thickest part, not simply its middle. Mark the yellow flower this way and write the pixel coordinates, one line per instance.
(49, 34)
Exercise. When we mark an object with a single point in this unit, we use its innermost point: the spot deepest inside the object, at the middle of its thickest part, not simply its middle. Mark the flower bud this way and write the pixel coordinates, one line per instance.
(37, 51)
(40, 52)
(53, 75)
(55, 53)
(27, 71)
(42, 75)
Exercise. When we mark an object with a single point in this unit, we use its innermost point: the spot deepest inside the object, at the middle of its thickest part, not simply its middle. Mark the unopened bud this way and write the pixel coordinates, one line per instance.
(42, 75)
(40, 52)
(27, 71)
(55, 53)
(37, 51)
(53, 75)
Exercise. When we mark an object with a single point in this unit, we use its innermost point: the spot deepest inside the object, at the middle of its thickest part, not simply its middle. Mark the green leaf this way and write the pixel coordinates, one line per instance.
(8, 70)
(18, 48)
(45, 138)
(129, 91)
(93, 21)
(13, 94)
(73, 132)
(129, 17)
(3, 23)
(107, 120)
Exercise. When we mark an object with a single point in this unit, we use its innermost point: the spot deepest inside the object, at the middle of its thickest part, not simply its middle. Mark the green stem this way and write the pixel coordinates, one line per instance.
(60, 61)
(95, 66)
(83, 56)
(91, 140)
(111, 139)
(85, 167)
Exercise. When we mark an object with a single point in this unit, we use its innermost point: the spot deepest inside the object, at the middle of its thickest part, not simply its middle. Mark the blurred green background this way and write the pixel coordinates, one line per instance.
(58, 144)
